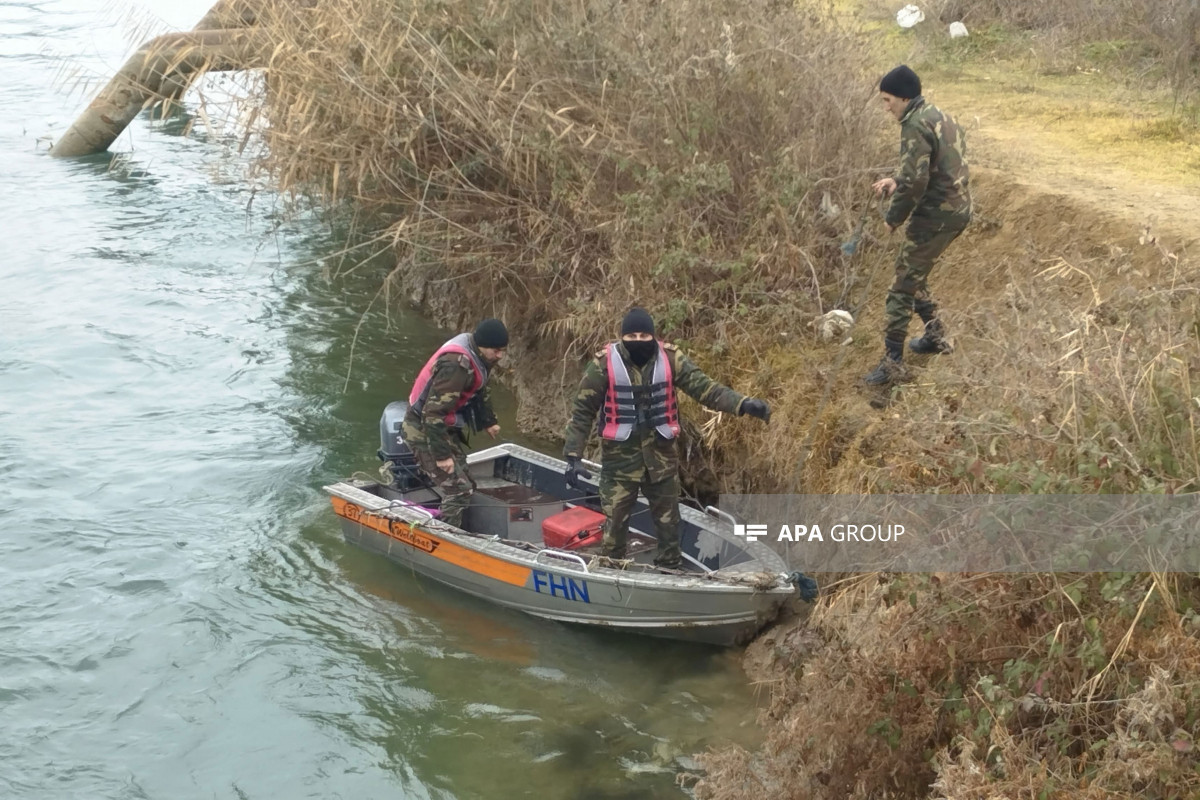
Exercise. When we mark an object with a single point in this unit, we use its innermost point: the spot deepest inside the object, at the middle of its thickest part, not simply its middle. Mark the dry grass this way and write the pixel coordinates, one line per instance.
(1075, 369)
(1145, 42)
(555, 162)
(985, 686)
(560, 161)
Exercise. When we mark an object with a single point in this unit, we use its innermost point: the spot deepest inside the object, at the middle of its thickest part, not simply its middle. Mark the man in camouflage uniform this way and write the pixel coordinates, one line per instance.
(646, 460)
(931, 191)
(453, 397)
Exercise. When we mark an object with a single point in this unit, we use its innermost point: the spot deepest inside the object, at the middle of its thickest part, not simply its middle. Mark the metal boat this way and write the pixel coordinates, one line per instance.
(728, 589)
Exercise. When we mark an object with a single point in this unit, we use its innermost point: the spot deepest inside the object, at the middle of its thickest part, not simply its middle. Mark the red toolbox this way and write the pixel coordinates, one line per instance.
(576, 527)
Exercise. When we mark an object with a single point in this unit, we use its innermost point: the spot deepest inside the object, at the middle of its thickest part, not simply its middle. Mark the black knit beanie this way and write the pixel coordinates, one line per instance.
(491, 333)
(901, 82)
(638, 320)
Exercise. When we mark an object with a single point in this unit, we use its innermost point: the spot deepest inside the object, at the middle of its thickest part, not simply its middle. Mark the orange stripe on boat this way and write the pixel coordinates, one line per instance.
(433, 545)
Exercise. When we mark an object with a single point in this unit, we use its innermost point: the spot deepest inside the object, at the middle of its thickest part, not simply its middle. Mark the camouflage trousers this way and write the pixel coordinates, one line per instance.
(456, 486)
(910, 292)
(618, 496)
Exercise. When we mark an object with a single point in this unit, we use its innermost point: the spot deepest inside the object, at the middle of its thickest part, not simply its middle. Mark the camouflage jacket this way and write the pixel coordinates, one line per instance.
(645, 451)
(932, 183)
(452, 376)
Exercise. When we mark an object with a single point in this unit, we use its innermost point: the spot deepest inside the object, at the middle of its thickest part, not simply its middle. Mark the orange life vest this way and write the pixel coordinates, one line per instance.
(460, 344)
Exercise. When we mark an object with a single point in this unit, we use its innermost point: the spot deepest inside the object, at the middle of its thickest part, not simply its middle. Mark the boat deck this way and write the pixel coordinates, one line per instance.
(514, 513)
(728, 590)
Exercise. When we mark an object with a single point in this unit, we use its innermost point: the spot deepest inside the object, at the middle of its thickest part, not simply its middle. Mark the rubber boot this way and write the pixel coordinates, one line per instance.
(933, 341)
(891, 367)
(615, 553)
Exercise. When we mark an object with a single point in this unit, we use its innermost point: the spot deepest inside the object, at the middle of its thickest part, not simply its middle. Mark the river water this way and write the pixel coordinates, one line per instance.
(179, 616)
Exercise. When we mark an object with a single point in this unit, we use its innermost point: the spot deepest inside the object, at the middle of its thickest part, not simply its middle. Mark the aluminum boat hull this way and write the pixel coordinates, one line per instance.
(734, 589)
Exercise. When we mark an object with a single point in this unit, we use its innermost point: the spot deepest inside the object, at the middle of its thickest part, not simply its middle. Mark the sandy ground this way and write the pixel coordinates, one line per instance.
(1120, 152)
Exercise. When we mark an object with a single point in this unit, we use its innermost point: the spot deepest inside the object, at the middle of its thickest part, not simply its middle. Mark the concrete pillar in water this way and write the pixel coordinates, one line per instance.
(223, 40)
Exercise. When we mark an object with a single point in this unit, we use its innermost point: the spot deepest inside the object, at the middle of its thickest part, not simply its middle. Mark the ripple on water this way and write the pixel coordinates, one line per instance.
(143, 586)
(547, 674)
(498, 713)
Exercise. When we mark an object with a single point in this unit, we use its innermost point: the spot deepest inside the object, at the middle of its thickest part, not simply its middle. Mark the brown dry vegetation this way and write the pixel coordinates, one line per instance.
(1143, 42)
(1077, 349)
(985, 686)
(554, 162)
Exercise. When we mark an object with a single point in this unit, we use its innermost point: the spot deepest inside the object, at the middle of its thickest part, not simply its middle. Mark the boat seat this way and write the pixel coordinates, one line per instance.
(509, 510)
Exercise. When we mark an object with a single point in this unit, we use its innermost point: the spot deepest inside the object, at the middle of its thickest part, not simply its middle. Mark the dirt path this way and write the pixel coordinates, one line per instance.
(1073, 135)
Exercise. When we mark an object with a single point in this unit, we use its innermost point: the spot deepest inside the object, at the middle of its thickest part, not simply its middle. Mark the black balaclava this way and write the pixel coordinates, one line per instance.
(638, 320)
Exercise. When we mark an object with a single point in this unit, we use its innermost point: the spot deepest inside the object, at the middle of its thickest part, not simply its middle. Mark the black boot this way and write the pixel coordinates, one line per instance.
(891, 368)
(933, 341)
(613, 551)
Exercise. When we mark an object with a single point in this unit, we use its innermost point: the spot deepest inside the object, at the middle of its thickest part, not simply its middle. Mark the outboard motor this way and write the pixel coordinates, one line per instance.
(395, 452)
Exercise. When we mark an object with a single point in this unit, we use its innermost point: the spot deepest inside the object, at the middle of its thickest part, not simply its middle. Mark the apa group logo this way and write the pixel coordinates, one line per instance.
(752, 533)
(841, 532)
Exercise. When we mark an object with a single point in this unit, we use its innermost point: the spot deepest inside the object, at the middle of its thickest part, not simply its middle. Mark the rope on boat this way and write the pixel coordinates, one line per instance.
(759, 580)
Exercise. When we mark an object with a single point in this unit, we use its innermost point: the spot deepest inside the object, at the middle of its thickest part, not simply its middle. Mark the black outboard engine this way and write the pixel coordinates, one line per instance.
(394, 452)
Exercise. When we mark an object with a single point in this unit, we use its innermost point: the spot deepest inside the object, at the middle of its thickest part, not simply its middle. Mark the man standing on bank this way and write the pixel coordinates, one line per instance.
(931, 191)
(450, 394)
(631, 385)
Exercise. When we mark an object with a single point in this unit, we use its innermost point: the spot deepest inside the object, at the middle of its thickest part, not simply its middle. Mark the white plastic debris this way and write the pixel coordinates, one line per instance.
(909, 16)
(829, 209)
(957, 30)
(832, 324)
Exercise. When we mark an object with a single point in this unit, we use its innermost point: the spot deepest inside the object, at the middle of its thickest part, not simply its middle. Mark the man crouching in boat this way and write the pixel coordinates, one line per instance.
(631, 385)
(451, 392)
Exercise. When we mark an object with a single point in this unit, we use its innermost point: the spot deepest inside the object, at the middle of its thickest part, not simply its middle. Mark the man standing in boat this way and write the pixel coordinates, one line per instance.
(450, 393)
(631, 385)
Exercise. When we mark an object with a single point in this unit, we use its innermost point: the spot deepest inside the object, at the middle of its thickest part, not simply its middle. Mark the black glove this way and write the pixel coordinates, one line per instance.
(756, 408)
(575, 471)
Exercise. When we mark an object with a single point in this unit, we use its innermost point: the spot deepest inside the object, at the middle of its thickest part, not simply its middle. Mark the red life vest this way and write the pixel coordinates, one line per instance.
(460, 344)
(627, 407)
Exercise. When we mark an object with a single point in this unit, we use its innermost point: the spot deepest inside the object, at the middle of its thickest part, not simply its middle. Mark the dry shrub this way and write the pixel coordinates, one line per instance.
(985, 686)
(556, 162)
(562, 160)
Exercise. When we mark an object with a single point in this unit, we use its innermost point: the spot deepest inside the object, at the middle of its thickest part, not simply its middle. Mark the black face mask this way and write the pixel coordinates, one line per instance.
(640, 353)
